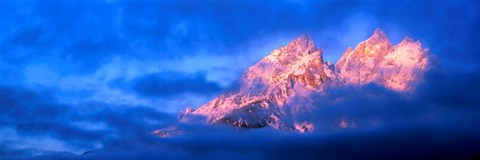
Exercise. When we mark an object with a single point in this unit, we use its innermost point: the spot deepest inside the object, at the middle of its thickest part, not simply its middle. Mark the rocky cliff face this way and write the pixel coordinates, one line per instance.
(375, 60)
(278, 88)
(266, 89)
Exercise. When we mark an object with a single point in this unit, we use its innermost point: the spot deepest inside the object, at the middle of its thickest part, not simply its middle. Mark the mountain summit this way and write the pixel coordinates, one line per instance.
(266, 89)
(282, 85)
(375, 60)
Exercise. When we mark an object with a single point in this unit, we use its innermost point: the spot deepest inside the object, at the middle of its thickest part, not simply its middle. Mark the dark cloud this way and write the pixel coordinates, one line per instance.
(36, 113)
(31, 113)
(168, 84)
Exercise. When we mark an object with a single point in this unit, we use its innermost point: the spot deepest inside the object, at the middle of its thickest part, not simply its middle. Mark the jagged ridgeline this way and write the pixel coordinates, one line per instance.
(278, 88)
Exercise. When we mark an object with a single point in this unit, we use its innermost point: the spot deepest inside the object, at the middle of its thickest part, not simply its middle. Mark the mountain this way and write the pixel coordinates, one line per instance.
(375, 60)
(280, 89)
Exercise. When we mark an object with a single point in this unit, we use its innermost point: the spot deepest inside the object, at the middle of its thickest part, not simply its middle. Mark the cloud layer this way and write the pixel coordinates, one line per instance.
(432, 123)
(98, 76)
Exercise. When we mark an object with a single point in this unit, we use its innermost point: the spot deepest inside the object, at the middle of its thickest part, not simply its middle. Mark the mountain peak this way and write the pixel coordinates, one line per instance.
(302, 42)
(376, 60)
(303, 38)
(349, 49)
(300, 48)
(377, 37)
(409, 41)
(379, 32)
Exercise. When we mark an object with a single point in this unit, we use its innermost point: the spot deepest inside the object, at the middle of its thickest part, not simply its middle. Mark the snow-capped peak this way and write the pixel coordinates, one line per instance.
(298, 47)
(302, 43)
(377, 61)
(299, 58)
(278, 88)
(378, 37)
(268, 87)
(358, 66)
(407, 40)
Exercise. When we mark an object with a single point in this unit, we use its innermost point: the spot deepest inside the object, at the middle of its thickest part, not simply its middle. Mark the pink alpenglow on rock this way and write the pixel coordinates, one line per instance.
(277, 91)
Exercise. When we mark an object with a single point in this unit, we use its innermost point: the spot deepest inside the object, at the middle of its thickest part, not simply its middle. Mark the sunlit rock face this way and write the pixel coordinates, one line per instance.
(375, 60)
(266, 89)
(278, 89)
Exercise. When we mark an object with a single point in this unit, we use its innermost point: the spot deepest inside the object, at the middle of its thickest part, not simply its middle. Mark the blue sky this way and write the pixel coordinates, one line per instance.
(96, 49)
(88, 67)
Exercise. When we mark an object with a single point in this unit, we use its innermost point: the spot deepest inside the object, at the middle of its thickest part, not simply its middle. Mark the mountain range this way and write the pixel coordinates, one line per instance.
(280, 91)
